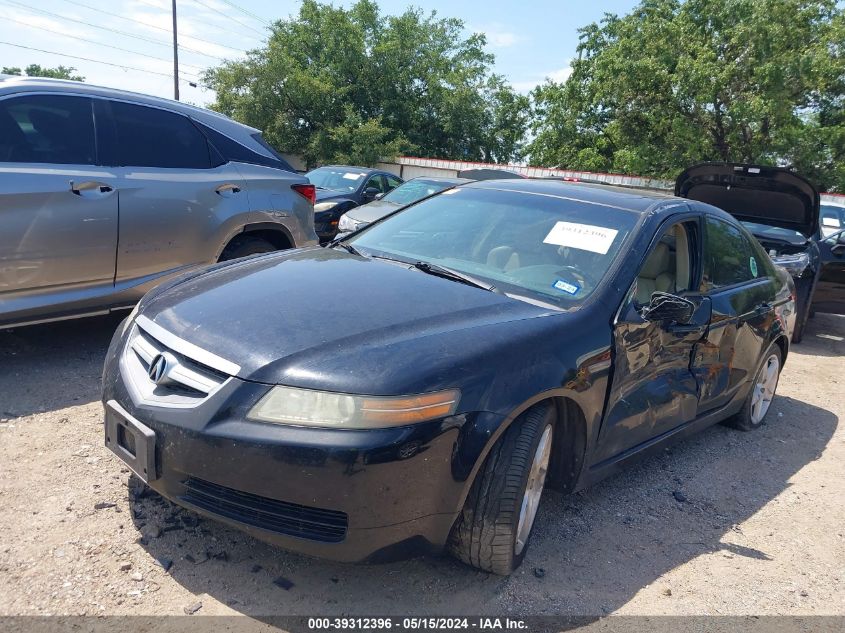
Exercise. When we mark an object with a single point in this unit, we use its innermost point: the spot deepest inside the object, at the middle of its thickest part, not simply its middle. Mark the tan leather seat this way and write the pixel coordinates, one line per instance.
(657, 274)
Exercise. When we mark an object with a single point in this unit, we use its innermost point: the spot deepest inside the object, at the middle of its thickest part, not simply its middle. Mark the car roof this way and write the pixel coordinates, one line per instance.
(353, 168)
(11, 84)
(446, 179)
(637, 200)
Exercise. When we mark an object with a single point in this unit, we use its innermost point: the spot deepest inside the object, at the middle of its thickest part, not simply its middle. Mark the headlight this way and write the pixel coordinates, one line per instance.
(288, 405)
(325, 206)
(348, 224)
(794, 264)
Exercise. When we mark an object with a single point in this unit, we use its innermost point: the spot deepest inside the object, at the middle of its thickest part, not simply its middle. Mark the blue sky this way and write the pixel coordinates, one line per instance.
(531, 40)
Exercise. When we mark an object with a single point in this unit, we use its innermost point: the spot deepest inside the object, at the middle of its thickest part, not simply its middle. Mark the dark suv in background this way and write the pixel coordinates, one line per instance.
(105, 193)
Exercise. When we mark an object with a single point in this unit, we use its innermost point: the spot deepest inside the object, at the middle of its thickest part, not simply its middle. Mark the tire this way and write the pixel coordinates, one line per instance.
(243, 246)
(749, 418)
(486, 533)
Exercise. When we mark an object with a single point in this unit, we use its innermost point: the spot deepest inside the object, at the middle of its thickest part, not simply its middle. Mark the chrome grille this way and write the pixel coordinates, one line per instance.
(185, 375)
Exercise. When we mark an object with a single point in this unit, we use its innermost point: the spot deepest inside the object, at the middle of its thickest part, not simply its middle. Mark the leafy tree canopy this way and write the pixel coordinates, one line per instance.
(674, 83)
(34, 70)
(352, 85)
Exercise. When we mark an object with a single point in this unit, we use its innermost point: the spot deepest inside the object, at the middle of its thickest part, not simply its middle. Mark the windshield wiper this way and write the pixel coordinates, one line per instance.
(449, 273)
(347, 247)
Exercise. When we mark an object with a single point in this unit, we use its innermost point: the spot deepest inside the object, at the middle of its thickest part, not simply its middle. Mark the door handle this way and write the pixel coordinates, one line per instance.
(227, 189)
(91, 189)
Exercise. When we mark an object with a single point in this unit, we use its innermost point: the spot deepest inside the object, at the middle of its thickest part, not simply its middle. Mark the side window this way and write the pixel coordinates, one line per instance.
(47, 129)
(149, 137)
(375, 181)
(392, 182)
(669, 266)
(729, 256)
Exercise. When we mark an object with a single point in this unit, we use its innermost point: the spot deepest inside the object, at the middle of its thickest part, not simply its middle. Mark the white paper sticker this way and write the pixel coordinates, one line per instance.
(351, 176)
(596, 239)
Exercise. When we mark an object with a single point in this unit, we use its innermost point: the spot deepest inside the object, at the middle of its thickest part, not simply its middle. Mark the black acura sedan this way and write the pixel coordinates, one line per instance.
(497, 337)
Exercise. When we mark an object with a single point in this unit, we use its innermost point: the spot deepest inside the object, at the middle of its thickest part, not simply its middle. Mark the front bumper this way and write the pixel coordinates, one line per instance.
(373, 495)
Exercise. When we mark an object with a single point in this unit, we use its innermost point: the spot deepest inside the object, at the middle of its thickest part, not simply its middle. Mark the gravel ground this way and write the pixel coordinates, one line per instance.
(724, 523)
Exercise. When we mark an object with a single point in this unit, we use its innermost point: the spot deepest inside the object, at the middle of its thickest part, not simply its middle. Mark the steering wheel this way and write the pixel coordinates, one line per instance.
(581, 277)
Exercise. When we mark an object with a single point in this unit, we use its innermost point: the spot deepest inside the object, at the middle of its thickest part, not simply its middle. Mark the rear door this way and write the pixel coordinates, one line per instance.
(175, 196)
(830, 289)
(58, 209)
(739, 280)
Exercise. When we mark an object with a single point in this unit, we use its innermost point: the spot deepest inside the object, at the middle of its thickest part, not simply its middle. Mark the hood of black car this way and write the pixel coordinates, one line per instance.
(372, 211)
(284, 317)
(754, 193)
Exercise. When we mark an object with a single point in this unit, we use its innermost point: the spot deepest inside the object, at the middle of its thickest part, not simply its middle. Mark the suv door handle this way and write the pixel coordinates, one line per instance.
(227, 189)
(91, 189)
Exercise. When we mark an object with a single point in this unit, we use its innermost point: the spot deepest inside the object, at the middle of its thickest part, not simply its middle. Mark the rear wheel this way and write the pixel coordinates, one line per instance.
(493, 531)
(759, 399)
(245, 245)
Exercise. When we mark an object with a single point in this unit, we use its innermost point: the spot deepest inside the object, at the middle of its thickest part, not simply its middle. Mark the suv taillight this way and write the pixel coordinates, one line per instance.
(309, 192)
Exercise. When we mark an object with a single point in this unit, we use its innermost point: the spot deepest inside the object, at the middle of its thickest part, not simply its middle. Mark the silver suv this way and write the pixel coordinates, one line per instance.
(105, 193)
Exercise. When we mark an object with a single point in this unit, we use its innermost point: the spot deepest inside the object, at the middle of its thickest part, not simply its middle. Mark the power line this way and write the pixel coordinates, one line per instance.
(105, 28)
(152, 26)
(247, 13)
(193, 18)
(95, 61)
(117, 48)
(228, 17)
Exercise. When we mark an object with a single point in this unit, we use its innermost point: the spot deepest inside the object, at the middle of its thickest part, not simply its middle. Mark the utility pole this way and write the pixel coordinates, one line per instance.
(175, 57)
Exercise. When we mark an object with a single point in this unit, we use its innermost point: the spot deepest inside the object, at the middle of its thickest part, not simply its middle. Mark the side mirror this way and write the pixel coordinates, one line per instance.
(379, 196)
(370, 193)
(668, 307)
(839, 247)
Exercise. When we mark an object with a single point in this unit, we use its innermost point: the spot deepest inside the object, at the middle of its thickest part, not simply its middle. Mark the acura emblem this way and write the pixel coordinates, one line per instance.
(158, 369)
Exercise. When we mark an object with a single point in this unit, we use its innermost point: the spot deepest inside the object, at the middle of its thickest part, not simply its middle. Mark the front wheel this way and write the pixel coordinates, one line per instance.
(494, 527)
(759, 399)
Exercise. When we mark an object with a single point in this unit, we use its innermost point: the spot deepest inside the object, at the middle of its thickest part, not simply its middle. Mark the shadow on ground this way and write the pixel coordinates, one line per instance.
(53, 366)
(823, 336)
(591, 552)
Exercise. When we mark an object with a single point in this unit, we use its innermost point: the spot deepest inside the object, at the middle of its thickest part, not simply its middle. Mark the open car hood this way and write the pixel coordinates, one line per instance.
(753, 193)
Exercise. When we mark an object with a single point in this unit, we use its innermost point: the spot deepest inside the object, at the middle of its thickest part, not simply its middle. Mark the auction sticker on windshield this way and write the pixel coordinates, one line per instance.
(587, 237)
(352, 176)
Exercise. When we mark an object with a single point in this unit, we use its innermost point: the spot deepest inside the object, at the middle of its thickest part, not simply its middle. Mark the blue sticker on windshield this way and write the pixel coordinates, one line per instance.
(566, 287)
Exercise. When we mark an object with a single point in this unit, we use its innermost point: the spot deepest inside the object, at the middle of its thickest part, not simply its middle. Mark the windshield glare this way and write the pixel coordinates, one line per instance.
(336, 178)
(540, 247)
(414, 190)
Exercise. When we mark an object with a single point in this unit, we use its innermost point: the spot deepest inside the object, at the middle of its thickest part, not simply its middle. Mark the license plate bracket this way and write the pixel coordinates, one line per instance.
(131, 440)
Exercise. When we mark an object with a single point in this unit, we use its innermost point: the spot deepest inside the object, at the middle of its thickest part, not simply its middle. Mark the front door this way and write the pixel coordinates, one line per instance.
(653, 389)
(58, 209)
(830, 289)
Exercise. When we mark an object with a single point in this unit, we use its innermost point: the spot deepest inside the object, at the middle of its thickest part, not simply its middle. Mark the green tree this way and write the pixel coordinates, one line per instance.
(336, 84)
(34, 70)
(674, 83)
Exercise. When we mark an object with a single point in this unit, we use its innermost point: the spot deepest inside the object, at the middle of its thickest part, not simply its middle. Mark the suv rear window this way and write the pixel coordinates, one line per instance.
(150, 137)
(47, 129)
(231, 150)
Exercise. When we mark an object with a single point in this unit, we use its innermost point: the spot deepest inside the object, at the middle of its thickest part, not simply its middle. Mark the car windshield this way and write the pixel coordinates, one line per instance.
(533, 247)
(336, 178)
(415, 189)
(764, 231)
(832, 219)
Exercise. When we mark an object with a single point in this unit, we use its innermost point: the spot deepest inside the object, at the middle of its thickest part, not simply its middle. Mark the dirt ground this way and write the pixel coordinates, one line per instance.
(724, 523)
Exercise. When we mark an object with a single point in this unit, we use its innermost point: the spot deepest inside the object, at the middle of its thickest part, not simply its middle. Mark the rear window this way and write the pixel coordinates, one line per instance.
(150, 137)
(231, 150)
